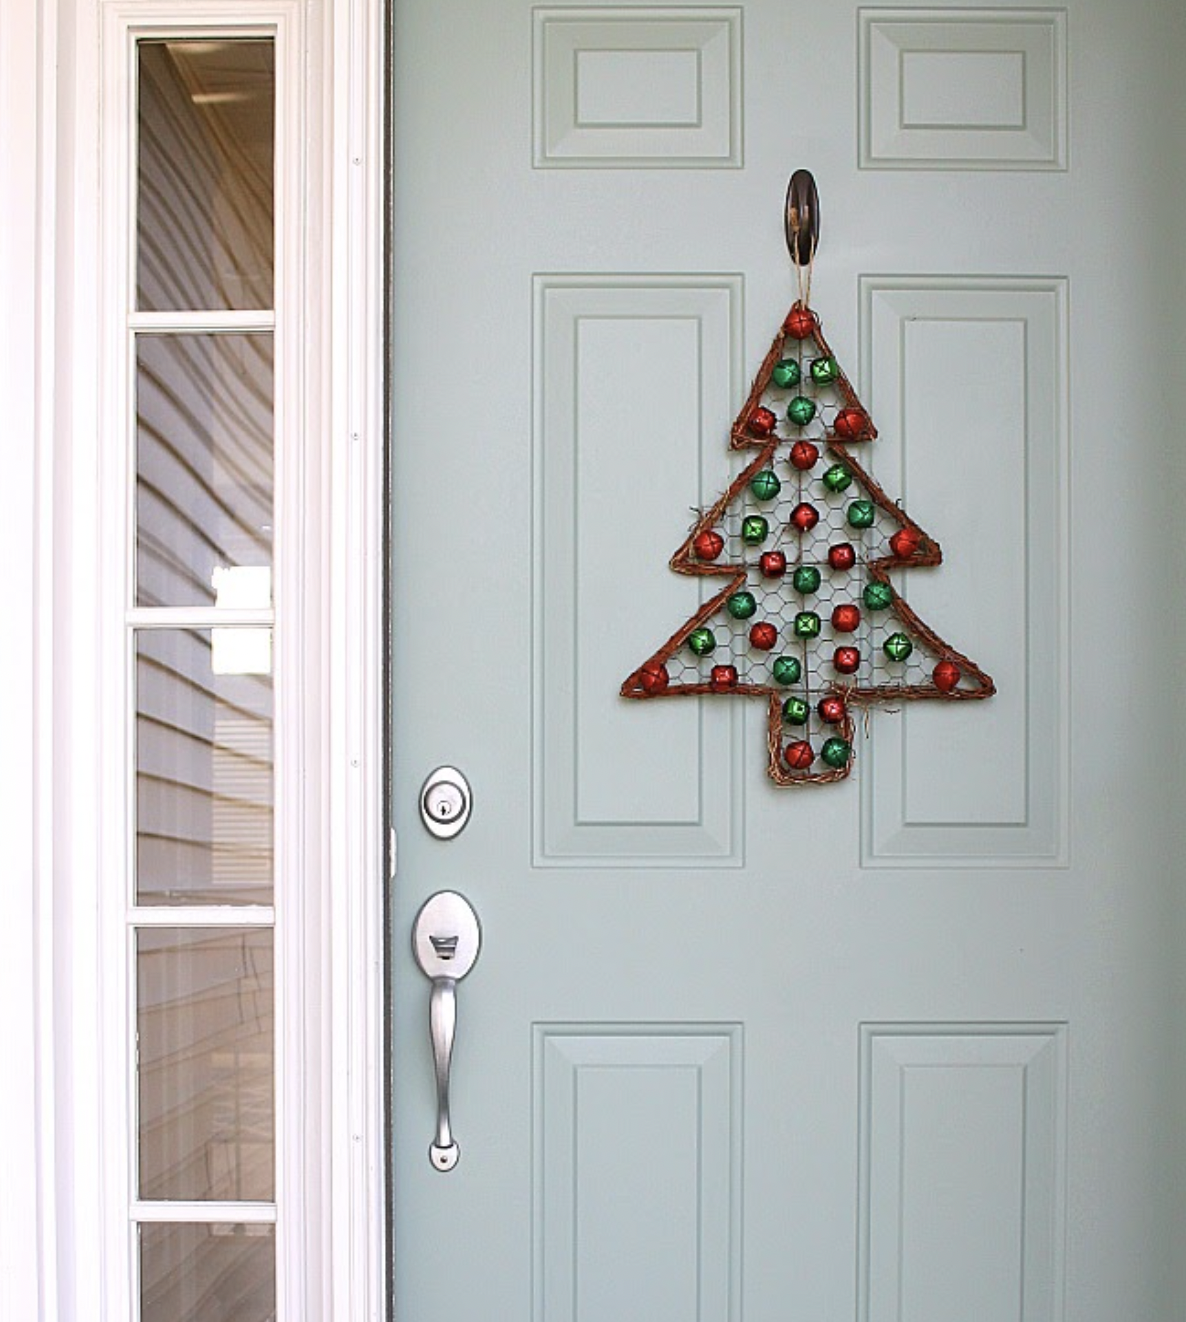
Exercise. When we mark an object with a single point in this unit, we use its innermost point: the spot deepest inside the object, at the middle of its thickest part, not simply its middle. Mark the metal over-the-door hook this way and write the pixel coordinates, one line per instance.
(802, 217)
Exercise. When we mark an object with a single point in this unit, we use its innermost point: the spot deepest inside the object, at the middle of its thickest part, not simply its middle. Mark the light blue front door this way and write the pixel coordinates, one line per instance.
(892, 1048)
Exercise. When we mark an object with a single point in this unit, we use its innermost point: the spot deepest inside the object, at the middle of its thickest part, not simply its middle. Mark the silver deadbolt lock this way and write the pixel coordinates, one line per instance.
(445, 802)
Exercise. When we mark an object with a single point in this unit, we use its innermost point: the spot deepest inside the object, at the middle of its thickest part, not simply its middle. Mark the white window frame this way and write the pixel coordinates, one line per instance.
(64, 60)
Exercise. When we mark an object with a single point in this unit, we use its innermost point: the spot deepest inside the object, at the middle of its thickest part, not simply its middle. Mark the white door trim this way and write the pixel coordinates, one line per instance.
(27, 91)
(356, 35)
(54, 1176)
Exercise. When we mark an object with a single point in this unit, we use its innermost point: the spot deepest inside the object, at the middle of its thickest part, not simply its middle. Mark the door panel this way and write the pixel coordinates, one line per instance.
(893, 1048)
(601, 344)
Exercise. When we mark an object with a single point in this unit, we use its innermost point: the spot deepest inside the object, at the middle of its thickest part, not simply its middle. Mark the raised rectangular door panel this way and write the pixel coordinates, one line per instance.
(963, 1154)
(980, 365)
(966, 89)
(645, 1118)
(600, 345)
(648, 87)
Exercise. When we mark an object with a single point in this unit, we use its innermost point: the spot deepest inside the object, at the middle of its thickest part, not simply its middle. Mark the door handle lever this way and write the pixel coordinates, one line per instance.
(445, 940)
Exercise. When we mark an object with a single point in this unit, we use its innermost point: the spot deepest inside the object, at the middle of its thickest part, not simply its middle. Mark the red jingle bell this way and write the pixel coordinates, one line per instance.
(832, 710)
(708, 544)
(800, 322)
(804, 516)
(723, 678)
(852, 425)
(799, 755)
(946, 676)
(773, 564)
(842, 556)
(905, 542)
(654, 677)
(763, 635)
(845, 618)
(847, 660)
(804, 455)
(761, 421)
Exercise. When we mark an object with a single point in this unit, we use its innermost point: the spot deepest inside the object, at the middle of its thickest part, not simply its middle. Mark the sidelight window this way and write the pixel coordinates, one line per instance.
(204, 895)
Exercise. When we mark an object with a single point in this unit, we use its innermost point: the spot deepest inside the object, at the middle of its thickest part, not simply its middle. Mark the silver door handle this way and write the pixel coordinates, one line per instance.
(445, 940)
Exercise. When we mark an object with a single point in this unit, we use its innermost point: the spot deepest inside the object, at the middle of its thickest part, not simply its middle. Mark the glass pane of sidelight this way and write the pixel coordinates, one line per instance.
(204, 783)
(205, 174)
(204, 452)
(207, 1273)
(204, 1024)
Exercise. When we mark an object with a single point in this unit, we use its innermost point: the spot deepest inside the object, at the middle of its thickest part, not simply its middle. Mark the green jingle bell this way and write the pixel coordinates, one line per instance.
(702, 641)
(807, 625)
(754, 530)
(861, 514)
(898, 647)
(741, 605)
(795, 711)
(765, 485)
(836, 752)
(785, 374)
(806, 578)
(824, 371)
(837, 478)
(878, 596)
(787, 670)
(801, 410)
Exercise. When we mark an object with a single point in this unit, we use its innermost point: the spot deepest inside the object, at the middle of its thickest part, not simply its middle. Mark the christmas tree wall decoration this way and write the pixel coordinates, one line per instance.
(805, 544)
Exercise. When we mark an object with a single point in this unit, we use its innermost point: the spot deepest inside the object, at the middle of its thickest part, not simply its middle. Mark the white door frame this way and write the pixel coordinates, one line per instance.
(26, 1166)
(56, 746)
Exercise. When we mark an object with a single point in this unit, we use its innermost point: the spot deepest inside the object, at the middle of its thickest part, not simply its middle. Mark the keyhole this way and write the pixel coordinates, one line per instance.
(445, 802)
